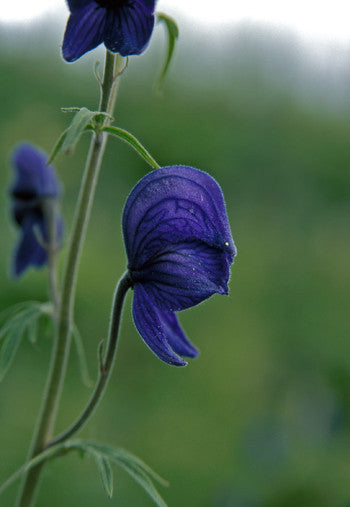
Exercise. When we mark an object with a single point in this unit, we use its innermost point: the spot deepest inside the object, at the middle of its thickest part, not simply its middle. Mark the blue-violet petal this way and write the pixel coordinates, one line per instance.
(29, 251)
(128, 29)
(148, 320)
(173, 205)
(175, 336)
(185, 274)
(33, 178)
(84, 31)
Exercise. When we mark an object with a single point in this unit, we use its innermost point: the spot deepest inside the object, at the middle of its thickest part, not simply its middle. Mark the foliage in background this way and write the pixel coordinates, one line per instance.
(275, 369)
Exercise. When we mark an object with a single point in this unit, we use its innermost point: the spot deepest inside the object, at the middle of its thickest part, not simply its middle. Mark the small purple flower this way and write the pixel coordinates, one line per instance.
(34, 190)
(179, 247)
(124, 26)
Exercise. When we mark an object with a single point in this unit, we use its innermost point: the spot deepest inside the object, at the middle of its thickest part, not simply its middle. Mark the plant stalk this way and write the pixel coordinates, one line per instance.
(60, 354)
(50, 208)
(106, 365)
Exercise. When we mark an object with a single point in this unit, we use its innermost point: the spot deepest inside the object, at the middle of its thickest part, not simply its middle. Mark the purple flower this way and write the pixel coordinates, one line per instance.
(124, 26)
(179, 247)
(34, 191)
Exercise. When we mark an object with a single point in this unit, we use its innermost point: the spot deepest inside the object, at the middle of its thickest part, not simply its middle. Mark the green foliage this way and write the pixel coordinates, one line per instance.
(106, 473)
(84, 120)
(17, 321)
(23, 320)
(172, 33)
(133, 465)
(103, 455)
(133, 142)
(278, 346)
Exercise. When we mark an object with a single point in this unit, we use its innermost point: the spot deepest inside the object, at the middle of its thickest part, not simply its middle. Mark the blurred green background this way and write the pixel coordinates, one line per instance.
(262, 417)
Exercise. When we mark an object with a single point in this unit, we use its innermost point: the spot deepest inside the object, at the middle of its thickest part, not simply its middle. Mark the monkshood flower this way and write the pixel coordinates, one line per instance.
(124, 26)
(179, 248)
(35, 191)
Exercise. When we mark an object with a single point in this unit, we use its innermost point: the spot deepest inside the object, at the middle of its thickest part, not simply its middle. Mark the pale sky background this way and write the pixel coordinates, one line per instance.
(315, 20)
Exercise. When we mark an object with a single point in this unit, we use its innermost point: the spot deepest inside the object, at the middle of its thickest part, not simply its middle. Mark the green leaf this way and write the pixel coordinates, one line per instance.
(128, 457)
(173, 34)
(85, 376)
(32, 330)
(81, 119)
(58, 146)
(106, 473)
(84, 120)
(18, 320)
(133, 465)
(144, 481)
(133, 142)
(9, 348)
(21, 315)
(121, 454)
(17, 308)
(49, 453)
(103, 455)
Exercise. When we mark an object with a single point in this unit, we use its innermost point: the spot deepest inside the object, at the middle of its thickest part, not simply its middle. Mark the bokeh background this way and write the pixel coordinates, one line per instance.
(262, 417)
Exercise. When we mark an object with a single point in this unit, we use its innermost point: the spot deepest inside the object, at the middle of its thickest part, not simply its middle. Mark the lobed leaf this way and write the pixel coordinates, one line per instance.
(144, 481)
(102, 454)
(18, 320)
(133, 465)
(6, 314)
(9, 348)
(49, 453)
(106, 473)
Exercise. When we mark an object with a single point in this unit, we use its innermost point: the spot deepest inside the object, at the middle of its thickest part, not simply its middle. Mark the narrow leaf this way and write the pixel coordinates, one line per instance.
(49, 453)
(58, 146)
(20, 319)
(9, 348)
(106, 473)
(121, 454)
(173, 34)
(32, 329)
(135, 467)
(126, 456)
(18, 307)
(144, 481)
(134, 143)
(82, 118)
(15, 320)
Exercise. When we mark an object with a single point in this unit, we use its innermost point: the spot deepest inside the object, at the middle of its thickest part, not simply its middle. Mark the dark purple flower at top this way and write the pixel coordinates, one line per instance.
(179, 247)
(34, 192)
(124, 26)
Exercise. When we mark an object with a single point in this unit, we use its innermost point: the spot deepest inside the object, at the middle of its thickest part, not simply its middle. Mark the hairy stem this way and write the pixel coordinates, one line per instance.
(60, 354)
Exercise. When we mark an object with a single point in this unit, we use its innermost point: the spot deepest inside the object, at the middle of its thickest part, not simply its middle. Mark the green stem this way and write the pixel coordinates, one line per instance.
(39, 458)
(106, 365)
(59, 360)
(50, 208)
